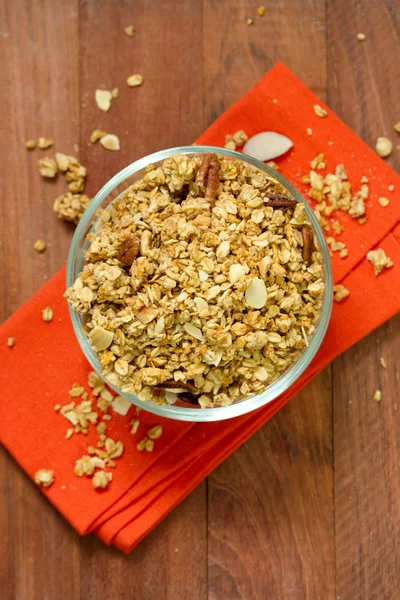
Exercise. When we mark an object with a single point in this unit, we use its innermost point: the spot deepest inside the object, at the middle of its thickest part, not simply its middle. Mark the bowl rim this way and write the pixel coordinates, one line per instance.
(277, 387)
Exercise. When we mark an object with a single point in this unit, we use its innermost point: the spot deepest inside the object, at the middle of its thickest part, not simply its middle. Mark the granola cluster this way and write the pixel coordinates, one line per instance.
(203, 284)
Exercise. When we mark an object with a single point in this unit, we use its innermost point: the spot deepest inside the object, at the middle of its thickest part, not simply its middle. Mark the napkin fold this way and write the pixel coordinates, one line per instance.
(39, 370)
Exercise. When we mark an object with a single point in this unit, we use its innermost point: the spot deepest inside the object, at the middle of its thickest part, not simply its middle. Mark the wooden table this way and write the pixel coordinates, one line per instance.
(310, 506)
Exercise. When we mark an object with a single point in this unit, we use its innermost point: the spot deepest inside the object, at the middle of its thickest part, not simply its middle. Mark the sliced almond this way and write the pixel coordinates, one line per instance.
(236, 273)
(121, 405)
(256, 293)
(110, 142)
(103, 99)
(264, 265)
(267, 145)
(193, 331)
(101, 338)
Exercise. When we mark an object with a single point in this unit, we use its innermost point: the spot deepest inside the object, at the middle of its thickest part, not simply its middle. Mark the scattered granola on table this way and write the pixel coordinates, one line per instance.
(202, 285)
(340, 292)
(47, 167)
(71, 207)
(380, 260)
(44, 143)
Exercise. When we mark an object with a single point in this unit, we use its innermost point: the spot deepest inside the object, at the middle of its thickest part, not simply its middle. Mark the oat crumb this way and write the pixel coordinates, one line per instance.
(44, 143)
(261, 10)
(249, 21)
(135, 80)
(383, 201)
(30, 144)
(129, 30)
(396, 127)
(391, 188)
(44, 477)
(383, 146)
(378, 395)
(96, 135)
(309, 131)
(361, 37)
(340, 292)
(383, 362)
(101, 479)
(11, 342)
(380, 260)
(57, 407)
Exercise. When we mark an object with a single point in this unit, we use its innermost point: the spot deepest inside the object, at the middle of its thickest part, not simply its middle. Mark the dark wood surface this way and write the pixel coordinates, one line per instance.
(309, 508)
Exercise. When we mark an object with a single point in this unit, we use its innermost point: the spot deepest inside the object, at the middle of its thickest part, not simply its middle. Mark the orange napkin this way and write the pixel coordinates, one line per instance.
(38, 372)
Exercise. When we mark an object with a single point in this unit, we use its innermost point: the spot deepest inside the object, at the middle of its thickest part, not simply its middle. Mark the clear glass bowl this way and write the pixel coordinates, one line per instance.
(117, 186)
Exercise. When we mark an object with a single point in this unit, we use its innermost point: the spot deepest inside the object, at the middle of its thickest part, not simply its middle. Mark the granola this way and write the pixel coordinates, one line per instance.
(196, 288)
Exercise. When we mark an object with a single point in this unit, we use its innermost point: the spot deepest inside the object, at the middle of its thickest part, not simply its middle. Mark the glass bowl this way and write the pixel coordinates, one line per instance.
(117, 186)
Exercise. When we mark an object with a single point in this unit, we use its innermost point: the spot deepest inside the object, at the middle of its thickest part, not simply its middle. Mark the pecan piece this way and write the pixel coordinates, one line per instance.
(308, 242)
(208, 175)
(129, 251)
(280, 201)
(168, 385)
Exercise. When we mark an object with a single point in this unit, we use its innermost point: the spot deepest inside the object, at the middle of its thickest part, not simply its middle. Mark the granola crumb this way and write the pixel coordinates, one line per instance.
(135, 80)
(249, 21)
(96, 135)
(107, 417)
(103, 99)
(378, 395)
(115, 92)
(30, 144)
(44, 477)
(361, 37)
(383, 146)
(309, 131)
(380, 260)
(47, 314)
(383, 201)
(362, 220)
(396, 127)
(101, 479)
(391, 187)
(383, 362)
(319, 111)
(11, 342)
(275, 101)
(340, 292)
(44, 143)
(110, 142)
(149, 446)
(240, 137)
(47, 167)
(230, 145)
(69, 433)
(261, 10)
(71, 207)
(57, 407)
(129, 30)
(40, 245)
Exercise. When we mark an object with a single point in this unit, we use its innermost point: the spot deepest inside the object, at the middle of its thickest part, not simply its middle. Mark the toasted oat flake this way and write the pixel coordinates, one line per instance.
(103, 99)
(110, 141)
(142, 444)
(96, 135)
(378, 395)
(155, 432)
(44, 477)
(383, 362)
(135, 80)
(135, 426)
(129, 30)
(383, 201)
(149, 445)
(44, 143)
(383, 146)
(340, 292)
(319, 111)
(11, 342)
(47, 314)
(380, 260)
(361, 37)
(30, 144)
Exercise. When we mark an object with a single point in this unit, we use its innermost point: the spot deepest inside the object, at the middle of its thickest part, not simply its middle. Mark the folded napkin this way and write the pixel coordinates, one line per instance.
(39, 370)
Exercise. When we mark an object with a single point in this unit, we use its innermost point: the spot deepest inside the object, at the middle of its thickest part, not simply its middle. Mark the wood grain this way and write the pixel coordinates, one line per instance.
(363, 82)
